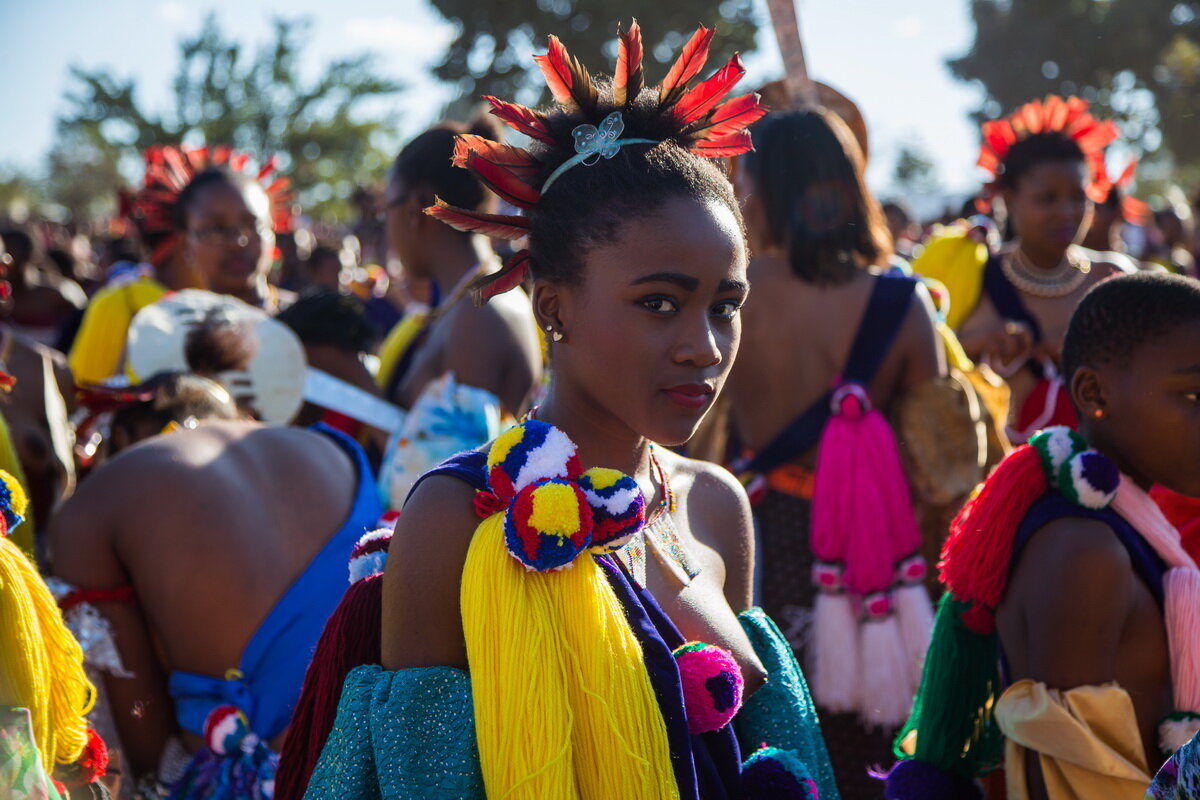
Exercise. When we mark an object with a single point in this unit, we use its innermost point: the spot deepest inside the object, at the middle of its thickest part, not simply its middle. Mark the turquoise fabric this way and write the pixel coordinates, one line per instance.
(781, 714)
(404, 734)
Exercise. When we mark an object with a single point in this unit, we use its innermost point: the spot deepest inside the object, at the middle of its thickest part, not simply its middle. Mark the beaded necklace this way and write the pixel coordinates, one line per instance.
(1061, 281)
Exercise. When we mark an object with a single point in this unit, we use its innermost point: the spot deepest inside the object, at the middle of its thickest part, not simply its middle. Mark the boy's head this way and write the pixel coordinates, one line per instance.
(1132, 361)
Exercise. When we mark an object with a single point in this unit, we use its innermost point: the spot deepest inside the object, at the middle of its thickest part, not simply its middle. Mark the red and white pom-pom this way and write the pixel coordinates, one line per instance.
(226, 730)
(369, 554)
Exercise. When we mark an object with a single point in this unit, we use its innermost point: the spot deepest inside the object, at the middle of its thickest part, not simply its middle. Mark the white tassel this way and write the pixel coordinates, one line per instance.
(914, 612)
(886, 693)
(833, 668)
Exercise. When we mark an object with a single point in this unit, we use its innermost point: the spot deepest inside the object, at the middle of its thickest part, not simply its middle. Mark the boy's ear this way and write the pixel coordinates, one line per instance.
(1088, 392)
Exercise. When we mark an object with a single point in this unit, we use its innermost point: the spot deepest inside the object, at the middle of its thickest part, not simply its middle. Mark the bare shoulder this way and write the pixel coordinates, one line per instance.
(1073, 559)
(421, 622)
(718, 515)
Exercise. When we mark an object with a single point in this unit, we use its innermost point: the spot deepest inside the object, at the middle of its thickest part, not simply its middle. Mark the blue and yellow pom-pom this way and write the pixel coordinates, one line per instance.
(13, 502)
(553, 511)
(548, 525)
(618, 507)
(527, 453)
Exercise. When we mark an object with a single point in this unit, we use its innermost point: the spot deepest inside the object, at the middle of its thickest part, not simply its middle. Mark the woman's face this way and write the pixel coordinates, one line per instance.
(229, 239)
(651, 330)
(1048, 207)
(403, 215)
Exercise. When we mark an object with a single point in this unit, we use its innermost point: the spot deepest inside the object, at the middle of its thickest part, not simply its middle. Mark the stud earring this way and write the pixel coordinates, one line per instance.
(555, 336)
(1098, 413)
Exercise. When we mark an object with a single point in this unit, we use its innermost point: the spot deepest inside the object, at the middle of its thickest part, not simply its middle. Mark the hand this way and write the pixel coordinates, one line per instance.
(1009, 344)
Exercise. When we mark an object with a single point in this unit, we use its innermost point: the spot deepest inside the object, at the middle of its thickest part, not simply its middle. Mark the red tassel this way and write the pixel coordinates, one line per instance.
(687, 66)
(508, 186)
(700, 99)
(93, 763)
(351, 638)
(629, 78)
(525, 120)
(976, 555)
(497, 226)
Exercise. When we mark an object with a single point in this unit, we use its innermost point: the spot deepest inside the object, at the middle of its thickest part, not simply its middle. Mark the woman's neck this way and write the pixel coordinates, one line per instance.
(454, 259)
(603, 439)
(1046, 259)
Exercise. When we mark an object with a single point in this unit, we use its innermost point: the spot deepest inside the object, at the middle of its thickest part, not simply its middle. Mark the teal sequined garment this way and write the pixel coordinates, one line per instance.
(406, 733)
(781, 714)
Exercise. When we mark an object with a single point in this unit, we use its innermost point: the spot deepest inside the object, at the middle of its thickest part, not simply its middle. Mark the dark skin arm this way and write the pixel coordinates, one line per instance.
(493, 360)
(925, 358)
(422, 623)
(84, 541)
(1062, 626)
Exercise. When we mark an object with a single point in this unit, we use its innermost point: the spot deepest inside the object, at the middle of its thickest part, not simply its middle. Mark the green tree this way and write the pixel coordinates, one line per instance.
(1137, 60)
(257, 103)
(915, 173)
(492, 53)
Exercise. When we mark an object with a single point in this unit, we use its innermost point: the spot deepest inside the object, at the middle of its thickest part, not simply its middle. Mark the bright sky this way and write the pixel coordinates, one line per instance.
(888, 57)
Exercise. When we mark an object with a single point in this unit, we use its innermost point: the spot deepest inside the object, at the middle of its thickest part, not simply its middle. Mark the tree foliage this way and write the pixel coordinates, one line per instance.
(257, 102)
(1137, 60)
(492, 53)
(915, 173)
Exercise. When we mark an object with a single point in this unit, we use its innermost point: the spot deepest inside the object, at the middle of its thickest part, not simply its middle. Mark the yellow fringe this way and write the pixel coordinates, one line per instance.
(41, 664)
(564, 707)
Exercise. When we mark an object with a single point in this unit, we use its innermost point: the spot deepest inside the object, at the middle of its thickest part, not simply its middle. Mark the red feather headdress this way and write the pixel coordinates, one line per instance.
(1066, 116)
(169, 169)
(706, 124)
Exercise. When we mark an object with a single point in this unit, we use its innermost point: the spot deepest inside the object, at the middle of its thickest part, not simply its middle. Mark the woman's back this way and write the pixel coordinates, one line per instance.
(795, 343)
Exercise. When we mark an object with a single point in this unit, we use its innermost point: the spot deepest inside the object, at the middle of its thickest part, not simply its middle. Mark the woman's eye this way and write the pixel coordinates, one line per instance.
(727, 310)
(660, 305)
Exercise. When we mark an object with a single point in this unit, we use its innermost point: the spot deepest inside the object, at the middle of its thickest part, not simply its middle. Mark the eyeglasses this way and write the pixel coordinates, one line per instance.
(237, 234)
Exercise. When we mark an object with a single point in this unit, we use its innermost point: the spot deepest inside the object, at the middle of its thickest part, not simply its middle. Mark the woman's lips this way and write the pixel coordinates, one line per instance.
(689, 395)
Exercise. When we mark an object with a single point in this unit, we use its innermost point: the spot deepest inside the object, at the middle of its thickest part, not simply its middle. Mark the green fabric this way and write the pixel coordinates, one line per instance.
(952, 715)
(401, 734)
(781, 714)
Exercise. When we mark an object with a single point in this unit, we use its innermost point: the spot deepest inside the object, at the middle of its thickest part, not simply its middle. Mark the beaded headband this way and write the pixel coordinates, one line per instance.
(705, 124)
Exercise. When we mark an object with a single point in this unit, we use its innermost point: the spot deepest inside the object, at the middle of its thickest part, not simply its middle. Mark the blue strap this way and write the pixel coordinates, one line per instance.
(886, 309)
(1005, 298)
(469, 467)
(274, 661)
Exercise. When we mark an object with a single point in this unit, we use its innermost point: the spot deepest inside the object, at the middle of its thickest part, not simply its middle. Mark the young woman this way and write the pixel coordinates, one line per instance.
(821, 315)
(471, 365)
(496, 656)
(1047, 158)
(1066, 635)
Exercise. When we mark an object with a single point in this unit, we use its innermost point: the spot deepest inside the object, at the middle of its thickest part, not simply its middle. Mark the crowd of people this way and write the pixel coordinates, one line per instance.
(654, 458)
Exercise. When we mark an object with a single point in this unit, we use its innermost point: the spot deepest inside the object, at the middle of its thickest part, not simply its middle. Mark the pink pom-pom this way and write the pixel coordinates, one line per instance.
(712, 685)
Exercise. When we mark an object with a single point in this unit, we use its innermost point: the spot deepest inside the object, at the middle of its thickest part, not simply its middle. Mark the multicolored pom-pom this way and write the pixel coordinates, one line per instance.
(369, 555)
(618, 507)
(773, 774)
(13, 502)
(1089, 479)
(712, 685)
(548, 525)
(1055, 446)
(227, 730)
(527, 453)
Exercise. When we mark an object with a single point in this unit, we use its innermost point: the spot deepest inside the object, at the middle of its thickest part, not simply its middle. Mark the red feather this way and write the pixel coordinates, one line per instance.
(732, 116)
(629, 77)
(514, 159)
(525, 120)
(497, 226)
(568, 80)
(697, 101)
(505, 184)
(512, 275)
(687, 66)
(735, 144)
